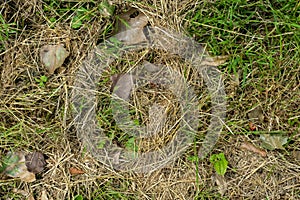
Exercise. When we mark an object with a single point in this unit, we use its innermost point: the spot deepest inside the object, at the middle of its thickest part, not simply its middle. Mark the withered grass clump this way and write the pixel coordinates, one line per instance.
(262, 42)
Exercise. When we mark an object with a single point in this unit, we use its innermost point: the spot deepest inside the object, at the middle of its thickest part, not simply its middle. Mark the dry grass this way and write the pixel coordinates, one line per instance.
(260, 72)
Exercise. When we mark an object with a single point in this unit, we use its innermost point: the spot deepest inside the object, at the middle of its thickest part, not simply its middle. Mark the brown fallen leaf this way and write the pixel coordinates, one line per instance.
(123, 85)
(53, 56)
(35, 162)
(151, 67)
(250, 147)
(114, 78)
(127, 80)
(256, 114)
(130, 26)
(27, 176)
(75, 171)
(252, 126)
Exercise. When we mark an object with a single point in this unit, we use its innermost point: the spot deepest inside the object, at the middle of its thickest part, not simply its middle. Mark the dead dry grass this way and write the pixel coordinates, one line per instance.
(40, 118)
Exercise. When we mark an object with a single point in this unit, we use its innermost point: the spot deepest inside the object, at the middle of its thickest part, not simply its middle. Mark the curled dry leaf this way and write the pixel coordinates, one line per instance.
(130, 27)
(35, 162)
(75, 171)
(215, 61)
(14, 165)
(53, 56)
(250, 147)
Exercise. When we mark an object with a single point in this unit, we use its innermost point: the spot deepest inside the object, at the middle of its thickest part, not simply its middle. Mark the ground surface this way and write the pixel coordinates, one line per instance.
(261, 77)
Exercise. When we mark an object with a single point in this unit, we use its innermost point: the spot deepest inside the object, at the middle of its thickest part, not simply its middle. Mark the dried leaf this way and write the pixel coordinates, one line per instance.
(272, 142)
(214, 61)
(53, 56)
(14, 166)
(256, 114)
(35, 162)
(75, 171)
(252, 126)
(123, 86)
(250, 147)
(130, 27)
(27, 176)
(114, 78)
(151, 67)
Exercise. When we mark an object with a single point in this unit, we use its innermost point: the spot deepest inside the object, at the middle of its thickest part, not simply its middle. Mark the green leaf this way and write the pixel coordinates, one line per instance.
(41, 84)
(115, 41)
(76, 22)
(101, 144)
(220, 163)
(78, 197)
(136, 122)
(41, 80)
(9, 160)
(193, 158)
(37, 80)
(106, 9)
(52, 19)
(44, 79)
(130, 144)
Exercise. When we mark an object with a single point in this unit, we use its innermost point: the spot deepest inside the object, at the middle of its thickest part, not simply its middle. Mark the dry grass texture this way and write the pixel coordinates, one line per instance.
(40, 118)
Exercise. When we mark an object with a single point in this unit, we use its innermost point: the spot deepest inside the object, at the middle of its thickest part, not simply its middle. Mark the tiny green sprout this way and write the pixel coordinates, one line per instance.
(42, 80)
(52, 19)
(193, 158)
(130, 145)
(78, 197)
(76, 22)
(136, 122)
(220, 163)
(81, 16)
(106, 9)
(101, 144)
